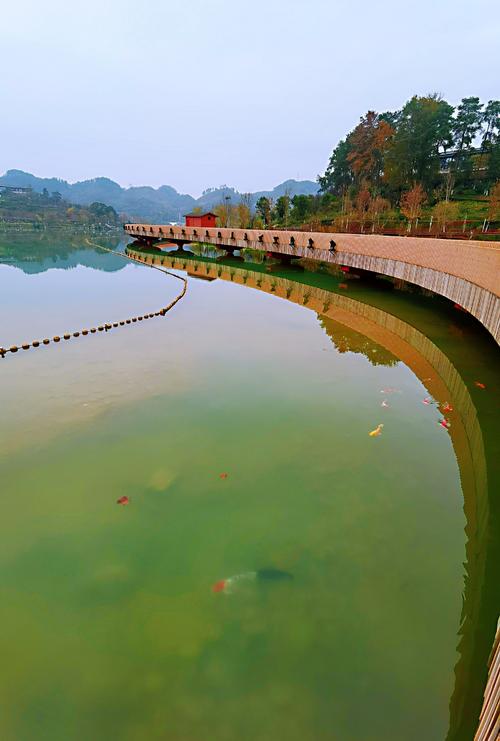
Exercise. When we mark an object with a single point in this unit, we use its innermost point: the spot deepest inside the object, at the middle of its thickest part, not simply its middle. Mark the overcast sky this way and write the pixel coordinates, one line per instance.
(197, 94)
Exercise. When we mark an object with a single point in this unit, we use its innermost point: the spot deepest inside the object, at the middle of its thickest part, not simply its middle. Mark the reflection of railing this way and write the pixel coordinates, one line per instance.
(443, 382)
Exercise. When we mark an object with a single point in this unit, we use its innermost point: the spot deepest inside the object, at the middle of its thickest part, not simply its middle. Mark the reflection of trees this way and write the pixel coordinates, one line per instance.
(348, 340)
(35, 253)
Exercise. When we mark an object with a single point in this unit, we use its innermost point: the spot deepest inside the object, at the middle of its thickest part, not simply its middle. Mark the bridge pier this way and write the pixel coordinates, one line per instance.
(146, 241)
(180, 246)
(228, 249)
(284, 260)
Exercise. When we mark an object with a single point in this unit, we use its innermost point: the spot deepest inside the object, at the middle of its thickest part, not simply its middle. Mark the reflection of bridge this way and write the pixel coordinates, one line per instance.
(466, 272)
(443, 381)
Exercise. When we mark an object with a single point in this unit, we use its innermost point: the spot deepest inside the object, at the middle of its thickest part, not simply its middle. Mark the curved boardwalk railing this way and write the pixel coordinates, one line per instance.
(489, 722)
(465, 271)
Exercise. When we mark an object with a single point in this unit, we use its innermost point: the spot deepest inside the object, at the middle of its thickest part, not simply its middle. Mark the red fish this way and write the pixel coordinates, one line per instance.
(123, 500)
(344, 286)
(445, 423)
(344, 268)
(427, 401)
(223, 475)
(447, 407)
(219, 586)
(479, 385)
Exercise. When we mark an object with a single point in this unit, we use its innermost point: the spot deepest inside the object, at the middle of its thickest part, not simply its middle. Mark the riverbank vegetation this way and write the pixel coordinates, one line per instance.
(22, 209)
(427, 169)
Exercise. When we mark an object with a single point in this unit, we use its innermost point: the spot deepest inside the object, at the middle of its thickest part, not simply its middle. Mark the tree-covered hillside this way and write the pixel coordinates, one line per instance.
(453, 151)
(145, 203)
(28, 209)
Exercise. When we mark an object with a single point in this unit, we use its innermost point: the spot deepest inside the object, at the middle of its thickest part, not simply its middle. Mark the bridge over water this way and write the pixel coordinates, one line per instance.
(465, 271)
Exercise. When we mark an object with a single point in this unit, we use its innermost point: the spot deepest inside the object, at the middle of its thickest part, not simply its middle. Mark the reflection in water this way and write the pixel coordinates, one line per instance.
(36, 253)
(352, 341)
(188, 634)
(380, 338)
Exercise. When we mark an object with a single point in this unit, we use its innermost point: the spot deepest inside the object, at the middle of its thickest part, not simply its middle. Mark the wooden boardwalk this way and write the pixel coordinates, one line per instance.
(465, 271)
(489, 722)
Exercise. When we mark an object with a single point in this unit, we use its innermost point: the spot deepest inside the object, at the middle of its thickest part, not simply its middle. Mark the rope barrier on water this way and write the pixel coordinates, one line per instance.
(111, 325)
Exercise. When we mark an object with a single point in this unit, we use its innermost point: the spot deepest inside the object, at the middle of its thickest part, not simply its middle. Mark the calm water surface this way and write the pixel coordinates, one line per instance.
(109, 626)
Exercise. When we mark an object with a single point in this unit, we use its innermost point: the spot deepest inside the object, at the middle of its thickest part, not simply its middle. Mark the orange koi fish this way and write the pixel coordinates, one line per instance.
(479, 385)
(446, 407)
(223, 475)
(123, 500)
(344, 286)
(377, 431)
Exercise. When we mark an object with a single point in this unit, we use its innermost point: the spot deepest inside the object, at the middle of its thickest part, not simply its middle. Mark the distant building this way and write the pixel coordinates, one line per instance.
(208, 219)
(15, 189)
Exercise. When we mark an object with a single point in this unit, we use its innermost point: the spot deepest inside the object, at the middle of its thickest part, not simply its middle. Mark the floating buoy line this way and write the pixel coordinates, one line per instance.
(110, 325)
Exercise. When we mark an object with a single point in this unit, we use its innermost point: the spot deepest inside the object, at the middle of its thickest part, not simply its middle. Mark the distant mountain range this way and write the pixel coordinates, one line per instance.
(143, 202)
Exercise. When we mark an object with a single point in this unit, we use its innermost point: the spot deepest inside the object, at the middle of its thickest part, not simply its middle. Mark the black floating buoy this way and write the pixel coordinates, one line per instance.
(85, 331)
(46, 342)
(57, 339)
(134, 319)
(67, 336)
(115, 324)
(93, 330)
(76, 334)
(121, 324)
(35, 343)
(140, 318)
(107, 326)
(101, 328)
(26, 346)
(14, 348)
(127, 321)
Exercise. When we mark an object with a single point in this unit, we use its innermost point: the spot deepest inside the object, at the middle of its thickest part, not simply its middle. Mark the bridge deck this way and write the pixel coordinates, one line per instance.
(465, 271)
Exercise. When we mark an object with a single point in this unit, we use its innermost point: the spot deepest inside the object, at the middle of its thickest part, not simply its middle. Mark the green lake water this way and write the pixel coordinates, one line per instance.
(109, 625)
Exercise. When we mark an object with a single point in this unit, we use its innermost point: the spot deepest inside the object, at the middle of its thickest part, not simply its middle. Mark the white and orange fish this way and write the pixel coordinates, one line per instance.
(385, 404)
(445, 423)
(269, 574)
